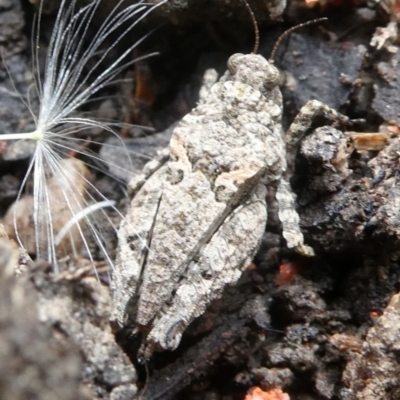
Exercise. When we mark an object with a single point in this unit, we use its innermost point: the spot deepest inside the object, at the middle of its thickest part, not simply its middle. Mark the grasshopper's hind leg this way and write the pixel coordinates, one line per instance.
(290, 219)
(134, 237)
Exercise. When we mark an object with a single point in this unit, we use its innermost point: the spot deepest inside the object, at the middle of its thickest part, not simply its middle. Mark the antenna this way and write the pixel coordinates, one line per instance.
(256, 31)
(289, 31)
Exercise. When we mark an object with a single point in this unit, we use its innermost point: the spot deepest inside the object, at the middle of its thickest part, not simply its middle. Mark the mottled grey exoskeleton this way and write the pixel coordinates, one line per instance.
(197, 216)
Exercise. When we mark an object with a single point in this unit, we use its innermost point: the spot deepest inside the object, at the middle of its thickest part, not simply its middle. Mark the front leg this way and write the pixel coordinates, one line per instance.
(290, 219)
(305, 117)
(149, 170)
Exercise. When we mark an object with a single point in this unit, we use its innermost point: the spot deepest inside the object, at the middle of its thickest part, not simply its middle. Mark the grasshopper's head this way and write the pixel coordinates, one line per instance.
(254, 70)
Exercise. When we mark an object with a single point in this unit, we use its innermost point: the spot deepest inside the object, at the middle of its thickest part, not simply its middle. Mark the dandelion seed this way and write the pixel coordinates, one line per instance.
(60, 210)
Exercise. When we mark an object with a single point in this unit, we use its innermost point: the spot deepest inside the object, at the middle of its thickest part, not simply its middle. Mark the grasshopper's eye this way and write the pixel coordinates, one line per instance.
(233, 62)
(271, 77)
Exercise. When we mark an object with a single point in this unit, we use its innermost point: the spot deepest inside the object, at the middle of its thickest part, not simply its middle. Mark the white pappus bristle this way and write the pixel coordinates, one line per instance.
(62, 212)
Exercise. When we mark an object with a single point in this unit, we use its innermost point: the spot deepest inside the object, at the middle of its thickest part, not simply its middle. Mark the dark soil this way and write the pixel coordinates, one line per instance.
(320, 328)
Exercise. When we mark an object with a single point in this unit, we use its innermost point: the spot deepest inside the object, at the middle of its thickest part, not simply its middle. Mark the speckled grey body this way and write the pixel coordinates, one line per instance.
(197, 216)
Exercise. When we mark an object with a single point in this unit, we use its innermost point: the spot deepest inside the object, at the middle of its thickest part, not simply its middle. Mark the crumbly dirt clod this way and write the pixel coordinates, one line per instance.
(56, 341)
(373, 371)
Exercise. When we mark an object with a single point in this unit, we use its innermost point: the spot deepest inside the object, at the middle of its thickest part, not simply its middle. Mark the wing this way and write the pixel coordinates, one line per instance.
(222, 262)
